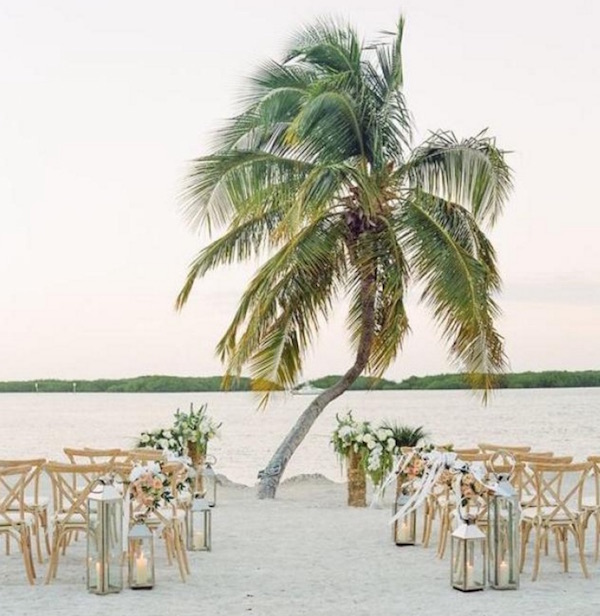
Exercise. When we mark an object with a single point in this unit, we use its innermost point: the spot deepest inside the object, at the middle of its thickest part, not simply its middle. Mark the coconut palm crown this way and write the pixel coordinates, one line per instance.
(317, 177)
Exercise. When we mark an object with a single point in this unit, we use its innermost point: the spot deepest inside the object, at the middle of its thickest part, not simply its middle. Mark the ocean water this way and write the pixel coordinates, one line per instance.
(566, 421)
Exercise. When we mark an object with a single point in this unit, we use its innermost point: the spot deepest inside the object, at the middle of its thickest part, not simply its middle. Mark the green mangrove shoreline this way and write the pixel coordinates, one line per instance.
(158, 383)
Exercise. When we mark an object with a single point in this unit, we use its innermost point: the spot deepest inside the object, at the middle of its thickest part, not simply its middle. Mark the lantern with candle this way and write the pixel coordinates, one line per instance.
(104, 539)
(467, 571)
(503, 535)
(209, 482)
(141, 556)
(404, 530)
(199, 525)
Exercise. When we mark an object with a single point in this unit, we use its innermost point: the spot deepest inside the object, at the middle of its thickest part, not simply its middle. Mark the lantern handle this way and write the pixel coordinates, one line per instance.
(504, 458)
(210, 459)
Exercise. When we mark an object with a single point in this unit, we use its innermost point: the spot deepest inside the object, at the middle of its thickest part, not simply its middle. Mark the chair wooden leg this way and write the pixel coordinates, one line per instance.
(565, 548)
(597, 547)
(53, 556)
(581, 552)
(537, 546)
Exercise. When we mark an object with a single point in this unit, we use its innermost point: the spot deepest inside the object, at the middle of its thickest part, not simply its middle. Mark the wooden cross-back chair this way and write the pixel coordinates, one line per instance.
(525, 483)
(71, 486)
(34, 502)
(556, 509)
(15, 521)
(591, 503)
(89, 455)
(492, 448)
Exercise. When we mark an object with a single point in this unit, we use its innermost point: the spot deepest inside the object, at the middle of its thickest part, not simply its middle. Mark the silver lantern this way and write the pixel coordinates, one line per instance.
(404, 530)
(141, 556)
(104, 539)
(504, 515)
(468, 561)
(209, 483)
(199, 525)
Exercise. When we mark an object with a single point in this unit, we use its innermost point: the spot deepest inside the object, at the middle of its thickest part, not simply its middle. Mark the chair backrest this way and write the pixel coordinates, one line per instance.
(594, 462)
(13, 480)
(474, 457)
(466, 450)
(559, 489)
(33, 480)
(71, 485)
(145, 455)
(491, 448)
(527, 485)
(88, 455)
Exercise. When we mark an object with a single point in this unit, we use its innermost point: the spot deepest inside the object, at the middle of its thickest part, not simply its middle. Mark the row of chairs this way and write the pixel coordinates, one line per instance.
(552, 492)
(28, 517)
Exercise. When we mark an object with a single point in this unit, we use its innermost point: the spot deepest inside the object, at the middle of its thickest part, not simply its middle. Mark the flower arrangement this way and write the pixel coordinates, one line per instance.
(149, 486)
(163, 439)
(189, 434)
(350, 437)
(371, 450)
(196, 428)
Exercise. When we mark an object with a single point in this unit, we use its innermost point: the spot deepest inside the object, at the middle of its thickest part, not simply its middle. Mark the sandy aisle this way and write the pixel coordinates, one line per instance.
(304, 553)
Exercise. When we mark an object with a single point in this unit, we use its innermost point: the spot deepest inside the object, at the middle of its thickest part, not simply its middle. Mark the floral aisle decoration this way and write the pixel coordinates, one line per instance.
(162, 439)
(196, 429)
(189, 435)
(370, 451)
(349, 441)
(149, 487)
(385, 444)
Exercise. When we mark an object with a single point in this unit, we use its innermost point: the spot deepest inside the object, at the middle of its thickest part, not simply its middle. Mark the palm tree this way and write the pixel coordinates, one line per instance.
(317, 178)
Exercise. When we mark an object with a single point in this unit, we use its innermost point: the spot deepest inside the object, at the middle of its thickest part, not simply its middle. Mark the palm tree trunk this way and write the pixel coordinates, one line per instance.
(269, 478)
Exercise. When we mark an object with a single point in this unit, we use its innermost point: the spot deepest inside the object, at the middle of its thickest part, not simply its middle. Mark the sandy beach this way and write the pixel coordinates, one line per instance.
(304, 553)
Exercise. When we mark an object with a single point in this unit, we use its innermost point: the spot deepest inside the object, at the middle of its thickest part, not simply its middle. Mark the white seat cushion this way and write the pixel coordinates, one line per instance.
(15, 517)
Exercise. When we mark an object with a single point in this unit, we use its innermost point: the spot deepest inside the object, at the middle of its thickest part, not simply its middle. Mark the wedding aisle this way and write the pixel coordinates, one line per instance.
(304, 553)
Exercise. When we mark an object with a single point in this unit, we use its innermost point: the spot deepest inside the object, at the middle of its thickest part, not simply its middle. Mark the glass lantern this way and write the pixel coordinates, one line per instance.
(404, 530)
(199, 525)
(141, 556)
(503, 536)
(209, 484)
(467, 572)
(104, 539)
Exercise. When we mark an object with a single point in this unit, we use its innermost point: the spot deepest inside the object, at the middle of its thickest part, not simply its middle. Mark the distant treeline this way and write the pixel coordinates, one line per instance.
(518, 380)
(135, 385)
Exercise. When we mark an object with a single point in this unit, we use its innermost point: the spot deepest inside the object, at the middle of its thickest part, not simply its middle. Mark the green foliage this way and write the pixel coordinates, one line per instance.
(519, 380)
(317, 179)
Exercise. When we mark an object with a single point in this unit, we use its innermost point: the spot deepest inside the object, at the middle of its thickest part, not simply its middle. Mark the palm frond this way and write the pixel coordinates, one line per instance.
(458, 284)
(471, 172)
(405, 436)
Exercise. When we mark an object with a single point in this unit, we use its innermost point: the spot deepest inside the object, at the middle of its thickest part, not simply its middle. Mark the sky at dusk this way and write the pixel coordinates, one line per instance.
(102, 105)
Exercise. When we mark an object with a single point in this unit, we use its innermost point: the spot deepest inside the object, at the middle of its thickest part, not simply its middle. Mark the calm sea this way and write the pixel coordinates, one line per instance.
(566, 421)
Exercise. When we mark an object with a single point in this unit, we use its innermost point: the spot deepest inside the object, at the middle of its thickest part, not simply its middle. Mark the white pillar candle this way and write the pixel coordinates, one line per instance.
(503, 574)
(141, 569)
(198, 540)
(470, 575)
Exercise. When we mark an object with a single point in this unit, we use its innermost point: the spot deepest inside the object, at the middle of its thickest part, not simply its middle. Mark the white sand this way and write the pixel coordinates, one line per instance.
(304, 553)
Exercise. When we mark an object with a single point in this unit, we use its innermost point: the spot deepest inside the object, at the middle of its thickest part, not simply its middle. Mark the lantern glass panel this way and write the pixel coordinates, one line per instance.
(104, 540)
(141, 556)
(199, 526)
(468, 560)
(405, 528)
(503, 531)
(209, 485)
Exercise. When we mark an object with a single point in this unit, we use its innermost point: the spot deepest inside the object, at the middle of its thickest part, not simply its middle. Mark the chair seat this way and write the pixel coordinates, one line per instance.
(590, 503)
(75, 519)
(15, 518)
(31, 503)
(560, 517)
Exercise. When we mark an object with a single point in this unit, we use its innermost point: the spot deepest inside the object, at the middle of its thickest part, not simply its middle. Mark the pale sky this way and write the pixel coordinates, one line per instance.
(103, 103)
